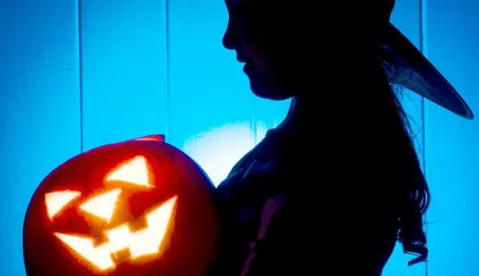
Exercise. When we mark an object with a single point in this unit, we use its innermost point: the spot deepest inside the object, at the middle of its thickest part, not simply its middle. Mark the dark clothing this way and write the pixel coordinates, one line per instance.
(294, 206)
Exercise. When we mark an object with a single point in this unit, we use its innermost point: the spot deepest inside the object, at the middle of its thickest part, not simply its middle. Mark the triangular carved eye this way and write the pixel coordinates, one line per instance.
(102, 205)
(56, 201)
(134, 171)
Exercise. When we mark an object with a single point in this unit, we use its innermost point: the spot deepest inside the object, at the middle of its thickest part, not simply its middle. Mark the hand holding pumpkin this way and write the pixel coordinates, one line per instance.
(138, 207)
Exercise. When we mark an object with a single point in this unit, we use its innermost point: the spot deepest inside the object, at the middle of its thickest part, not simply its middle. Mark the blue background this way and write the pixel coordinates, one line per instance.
(75, 75)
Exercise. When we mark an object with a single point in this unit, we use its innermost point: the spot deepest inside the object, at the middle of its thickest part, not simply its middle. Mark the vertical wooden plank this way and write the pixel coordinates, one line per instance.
(212, 108)
(452, 148)
(39, 108)
(123, 46)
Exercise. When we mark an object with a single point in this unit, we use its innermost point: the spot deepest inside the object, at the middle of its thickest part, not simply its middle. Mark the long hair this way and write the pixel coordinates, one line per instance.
(372, 124)
(414, 192)
(413, 196)
(378, 99)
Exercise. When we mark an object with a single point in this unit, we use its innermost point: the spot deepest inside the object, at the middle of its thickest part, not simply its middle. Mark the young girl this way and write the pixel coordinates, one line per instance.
(338, 182)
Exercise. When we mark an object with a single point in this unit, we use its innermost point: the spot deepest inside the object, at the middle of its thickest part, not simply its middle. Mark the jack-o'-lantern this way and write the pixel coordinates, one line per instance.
(138, 207)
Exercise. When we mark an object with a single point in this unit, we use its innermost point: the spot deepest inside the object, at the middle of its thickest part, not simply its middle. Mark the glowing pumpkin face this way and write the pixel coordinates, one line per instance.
(136, 207)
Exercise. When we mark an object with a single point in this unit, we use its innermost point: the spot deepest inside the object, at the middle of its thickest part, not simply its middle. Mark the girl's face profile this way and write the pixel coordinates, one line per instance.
(262, 41)
(281, 42)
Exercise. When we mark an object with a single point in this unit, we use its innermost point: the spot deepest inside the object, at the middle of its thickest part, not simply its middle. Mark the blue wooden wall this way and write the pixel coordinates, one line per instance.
(77, 74)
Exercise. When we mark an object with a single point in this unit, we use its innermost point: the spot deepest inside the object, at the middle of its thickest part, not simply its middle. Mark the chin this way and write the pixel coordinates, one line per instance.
(268, 91)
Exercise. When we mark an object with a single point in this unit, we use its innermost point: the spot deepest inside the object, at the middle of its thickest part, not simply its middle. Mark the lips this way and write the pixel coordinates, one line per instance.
(247, 64)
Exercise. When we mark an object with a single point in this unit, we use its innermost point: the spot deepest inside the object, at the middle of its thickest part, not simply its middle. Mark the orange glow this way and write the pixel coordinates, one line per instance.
(159, 138)
(141, 243)
(56, 201)
(102, 205)
(134, 171)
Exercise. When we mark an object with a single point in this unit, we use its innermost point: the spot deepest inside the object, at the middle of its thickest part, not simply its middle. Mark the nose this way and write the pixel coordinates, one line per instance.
(230, 37)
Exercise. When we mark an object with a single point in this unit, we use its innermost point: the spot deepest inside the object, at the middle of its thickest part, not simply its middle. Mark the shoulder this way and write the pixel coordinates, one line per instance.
(254, 174)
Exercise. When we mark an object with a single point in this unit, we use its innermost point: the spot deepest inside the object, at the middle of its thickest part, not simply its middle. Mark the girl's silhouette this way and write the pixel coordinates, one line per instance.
(338, 182)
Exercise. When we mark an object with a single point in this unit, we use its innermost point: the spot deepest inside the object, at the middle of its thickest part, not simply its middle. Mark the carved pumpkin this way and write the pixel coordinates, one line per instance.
(139, 207)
